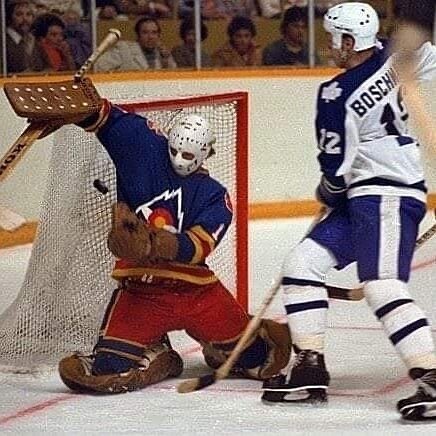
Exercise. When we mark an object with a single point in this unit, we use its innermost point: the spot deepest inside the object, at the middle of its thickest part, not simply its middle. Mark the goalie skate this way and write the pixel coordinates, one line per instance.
(308, 381)
(422, 405)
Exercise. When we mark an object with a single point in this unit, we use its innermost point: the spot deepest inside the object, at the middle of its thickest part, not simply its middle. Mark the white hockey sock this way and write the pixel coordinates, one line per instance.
(306, 309)
(404, 322)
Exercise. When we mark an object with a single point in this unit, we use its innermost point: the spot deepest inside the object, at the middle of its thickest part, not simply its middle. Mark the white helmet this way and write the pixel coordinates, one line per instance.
(189, 144)
(356, 19)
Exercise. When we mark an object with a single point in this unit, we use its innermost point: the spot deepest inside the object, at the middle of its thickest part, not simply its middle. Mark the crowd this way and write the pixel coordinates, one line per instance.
(54, 35)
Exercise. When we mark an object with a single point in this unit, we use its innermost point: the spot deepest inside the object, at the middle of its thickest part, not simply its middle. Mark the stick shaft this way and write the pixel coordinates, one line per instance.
(15, 153)
(224, 370)
(111, 39)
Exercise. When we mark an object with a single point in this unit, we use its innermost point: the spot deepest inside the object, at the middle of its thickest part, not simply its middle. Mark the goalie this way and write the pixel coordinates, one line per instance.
(170, 216)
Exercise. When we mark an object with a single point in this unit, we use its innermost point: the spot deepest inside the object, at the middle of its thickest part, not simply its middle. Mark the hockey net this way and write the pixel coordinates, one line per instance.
(67, 284)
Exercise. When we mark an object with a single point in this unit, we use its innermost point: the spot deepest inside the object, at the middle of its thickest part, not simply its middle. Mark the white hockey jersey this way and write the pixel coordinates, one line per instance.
(362, 130)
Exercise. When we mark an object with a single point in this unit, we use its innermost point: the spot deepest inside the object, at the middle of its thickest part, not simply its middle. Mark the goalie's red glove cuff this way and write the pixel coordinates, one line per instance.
(97, 120)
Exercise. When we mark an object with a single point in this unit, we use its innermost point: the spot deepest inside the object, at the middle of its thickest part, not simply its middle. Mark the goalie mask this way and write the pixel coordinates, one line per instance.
(189, 144)
(356, 19)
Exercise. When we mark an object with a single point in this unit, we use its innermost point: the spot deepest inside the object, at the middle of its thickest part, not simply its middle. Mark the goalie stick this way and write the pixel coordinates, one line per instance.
(36, 129)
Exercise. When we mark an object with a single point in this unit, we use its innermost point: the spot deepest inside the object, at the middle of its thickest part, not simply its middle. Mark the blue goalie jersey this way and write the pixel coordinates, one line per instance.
(197, 208)
(362, 122)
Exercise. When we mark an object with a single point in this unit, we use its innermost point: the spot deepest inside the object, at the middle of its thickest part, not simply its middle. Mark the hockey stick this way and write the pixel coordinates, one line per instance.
(356, 294)
(111, 39)
(36, 128)
(223, 371)
(19, 147)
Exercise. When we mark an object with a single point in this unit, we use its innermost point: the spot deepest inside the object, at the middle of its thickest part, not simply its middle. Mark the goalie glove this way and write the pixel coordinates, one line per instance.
(133, 239)
(58, 103)
(329, 194)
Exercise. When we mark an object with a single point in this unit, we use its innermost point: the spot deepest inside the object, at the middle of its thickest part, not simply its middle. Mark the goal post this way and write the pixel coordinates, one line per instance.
(67, 284)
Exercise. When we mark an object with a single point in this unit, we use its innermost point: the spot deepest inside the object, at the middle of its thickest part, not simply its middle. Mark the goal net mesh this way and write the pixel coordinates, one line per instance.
(67, 284)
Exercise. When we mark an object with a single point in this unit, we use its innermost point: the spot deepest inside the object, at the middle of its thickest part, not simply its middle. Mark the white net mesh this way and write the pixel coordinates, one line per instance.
(67, 284)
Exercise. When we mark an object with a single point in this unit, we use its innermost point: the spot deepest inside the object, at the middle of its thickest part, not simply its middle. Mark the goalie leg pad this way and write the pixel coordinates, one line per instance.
(264, 357)
(79, 373)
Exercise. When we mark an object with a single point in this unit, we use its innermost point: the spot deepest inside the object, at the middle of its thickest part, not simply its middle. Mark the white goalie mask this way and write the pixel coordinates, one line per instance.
(356, 19)
(189, 144)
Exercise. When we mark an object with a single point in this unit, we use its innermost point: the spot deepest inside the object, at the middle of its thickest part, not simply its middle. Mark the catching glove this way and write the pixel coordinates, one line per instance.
(133, 239)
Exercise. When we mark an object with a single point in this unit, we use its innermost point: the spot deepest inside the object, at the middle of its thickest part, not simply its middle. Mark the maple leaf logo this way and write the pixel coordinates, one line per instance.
(331, 92)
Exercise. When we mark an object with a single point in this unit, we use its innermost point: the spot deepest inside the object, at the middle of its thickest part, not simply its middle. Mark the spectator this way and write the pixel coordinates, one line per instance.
(228, 9)
(151, 8)
(218, 9)
(322, 5)
(275, 8)
(241, 49)
(270, 8)
(22, 54)
(58, 7)
(78, 37)
(291, 49)
(48, 30)
(184, 54)
(108, 10)
(146, 53)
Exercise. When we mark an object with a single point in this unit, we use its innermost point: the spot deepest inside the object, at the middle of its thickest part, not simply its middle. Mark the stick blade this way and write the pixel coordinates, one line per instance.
(196, 384)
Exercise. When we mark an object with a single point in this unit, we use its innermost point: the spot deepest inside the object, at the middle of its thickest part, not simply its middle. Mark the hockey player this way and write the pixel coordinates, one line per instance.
(373, 184)
(171, 215)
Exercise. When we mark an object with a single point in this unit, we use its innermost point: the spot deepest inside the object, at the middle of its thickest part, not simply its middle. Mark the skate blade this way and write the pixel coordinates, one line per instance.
(312, 396)
(420, 412)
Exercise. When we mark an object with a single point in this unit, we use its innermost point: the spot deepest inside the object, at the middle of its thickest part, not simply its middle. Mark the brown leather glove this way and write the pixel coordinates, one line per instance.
(133, 239)
(59, 103)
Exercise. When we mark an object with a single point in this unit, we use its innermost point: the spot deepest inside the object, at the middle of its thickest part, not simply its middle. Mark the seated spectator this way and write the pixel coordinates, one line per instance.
(218, 9)
(58, 7)
(146, 53)
(291, 49)
(78, 36)
(184, 54)
(48, 30)
(151, 8)
(241, 49)
(22, 55)
(275, 8)
(213, 9)
(321, 6)
(108, 10)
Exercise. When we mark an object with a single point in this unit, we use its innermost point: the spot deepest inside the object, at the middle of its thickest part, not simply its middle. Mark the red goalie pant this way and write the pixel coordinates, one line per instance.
(142, 314)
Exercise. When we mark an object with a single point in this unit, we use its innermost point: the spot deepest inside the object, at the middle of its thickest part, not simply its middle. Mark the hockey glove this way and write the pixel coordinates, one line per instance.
(133, 239)
(330, 195)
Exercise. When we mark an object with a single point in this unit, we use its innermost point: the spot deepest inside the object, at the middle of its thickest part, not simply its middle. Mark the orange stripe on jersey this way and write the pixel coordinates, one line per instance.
(198, 248)
(197, 274)
(203, 243)
(198, 270)
(139, 273)
(201, 233)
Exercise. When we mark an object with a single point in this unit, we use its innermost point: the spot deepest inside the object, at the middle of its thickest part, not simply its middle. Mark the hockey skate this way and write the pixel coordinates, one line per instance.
(422, 405)
(307, 382)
